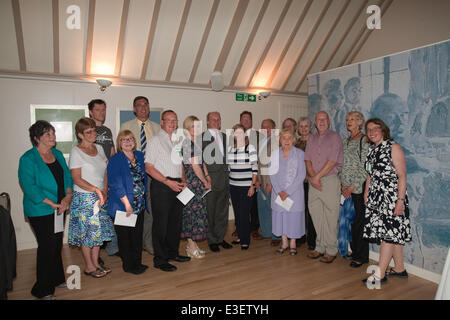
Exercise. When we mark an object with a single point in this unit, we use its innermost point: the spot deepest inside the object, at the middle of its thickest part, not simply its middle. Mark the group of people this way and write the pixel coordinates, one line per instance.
(288, 185)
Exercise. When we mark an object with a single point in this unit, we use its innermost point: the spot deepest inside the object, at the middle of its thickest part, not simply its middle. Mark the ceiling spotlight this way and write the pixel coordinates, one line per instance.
(103, 83)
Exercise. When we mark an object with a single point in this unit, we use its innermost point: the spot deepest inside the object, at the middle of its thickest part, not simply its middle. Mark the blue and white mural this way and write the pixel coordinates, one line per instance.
(410, 92)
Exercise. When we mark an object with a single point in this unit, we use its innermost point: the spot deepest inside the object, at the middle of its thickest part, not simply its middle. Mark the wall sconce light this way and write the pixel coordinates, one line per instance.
(103, 83)
(264, 94)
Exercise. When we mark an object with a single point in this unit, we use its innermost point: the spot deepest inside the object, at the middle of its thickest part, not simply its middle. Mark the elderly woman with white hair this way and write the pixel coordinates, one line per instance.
(287, 169)
(353, 177)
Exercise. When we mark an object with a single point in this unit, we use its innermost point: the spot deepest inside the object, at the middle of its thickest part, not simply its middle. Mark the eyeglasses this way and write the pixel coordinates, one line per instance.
(127, 140)
(89, 131)
(376, 129)
(170, 121)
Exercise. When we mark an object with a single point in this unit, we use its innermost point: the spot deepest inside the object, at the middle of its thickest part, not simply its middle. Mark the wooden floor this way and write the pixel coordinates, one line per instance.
(258, 273)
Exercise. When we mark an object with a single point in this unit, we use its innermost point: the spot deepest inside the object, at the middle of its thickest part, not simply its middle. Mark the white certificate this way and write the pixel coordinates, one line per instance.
(59, 222)
(122, 219)
(185, 196)
(286, 204)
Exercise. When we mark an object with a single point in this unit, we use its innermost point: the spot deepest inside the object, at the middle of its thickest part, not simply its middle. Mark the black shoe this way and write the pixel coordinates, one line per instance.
(236, 242)
(214, 247)
(393, 273)
(166, 267)
(180, 259)
(355, 264)
(244, 247)
(384, 280)
(226, 245)
(137, 271)
(143, 266)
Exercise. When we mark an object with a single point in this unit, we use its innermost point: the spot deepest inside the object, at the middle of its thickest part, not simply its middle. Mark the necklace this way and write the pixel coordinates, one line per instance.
(352, 137)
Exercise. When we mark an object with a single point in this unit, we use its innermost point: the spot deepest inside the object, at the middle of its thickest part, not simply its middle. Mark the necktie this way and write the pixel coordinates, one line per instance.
(143, 138)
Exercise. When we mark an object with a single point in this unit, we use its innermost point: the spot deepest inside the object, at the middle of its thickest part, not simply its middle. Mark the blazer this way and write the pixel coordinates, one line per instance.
(38, 183)
(120, 181)
(218, 171)
(151, 128)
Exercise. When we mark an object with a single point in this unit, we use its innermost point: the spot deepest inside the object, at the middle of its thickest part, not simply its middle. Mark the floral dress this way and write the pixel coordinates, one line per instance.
(381, 224)
(195, 221)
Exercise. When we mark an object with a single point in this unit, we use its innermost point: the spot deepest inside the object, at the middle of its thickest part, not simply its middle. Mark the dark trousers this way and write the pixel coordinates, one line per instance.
(130, 244)
(167, 216)
(49, 265)
(254, 217)
(310, 230)
(359, 246)
(242, 205)
(217, 206)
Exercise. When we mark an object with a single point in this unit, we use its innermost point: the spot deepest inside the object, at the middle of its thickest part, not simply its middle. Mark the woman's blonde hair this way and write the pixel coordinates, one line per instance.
(358, 115)
(122, 134)
(287, 131)
(188, 123)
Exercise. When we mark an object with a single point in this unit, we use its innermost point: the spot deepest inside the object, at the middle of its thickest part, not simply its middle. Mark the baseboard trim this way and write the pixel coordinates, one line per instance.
(422, 273)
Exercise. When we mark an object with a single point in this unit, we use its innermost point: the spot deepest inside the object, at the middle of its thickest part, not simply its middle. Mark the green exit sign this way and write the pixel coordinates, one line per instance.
(245, 97)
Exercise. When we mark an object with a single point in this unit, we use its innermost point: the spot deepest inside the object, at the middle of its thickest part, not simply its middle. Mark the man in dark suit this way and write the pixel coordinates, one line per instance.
(217, 201)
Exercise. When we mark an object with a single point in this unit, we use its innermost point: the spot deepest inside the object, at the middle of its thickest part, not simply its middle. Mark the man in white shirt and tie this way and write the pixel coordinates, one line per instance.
(143, 129)
(217, 201)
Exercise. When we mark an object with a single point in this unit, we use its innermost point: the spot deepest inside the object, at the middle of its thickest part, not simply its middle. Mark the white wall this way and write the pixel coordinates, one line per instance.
(16, 96)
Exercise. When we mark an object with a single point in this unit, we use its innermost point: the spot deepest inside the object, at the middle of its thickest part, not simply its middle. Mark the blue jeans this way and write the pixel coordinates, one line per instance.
(265, 214)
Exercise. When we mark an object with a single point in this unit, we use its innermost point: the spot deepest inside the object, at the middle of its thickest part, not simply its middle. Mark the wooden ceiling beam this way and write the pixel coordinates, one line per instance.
(344, 35)
(276, 29)
(201, 48)
(176, 47)
(90, 37)
(251, 37)
(288, 44)
(19, 34)
(120, 45)
(151, 37)
(231, 35)
(308, 40)
(325, 40)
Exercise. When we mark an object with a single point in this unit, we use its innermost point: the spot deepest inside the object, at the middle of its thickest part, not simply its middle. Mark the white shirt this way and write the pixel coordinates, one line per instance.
(92, 168)
(164, 154)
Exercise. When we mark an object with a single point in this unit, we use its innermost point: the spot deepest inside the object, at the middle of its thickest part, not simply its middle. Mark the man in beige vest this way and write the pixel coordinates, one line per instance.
(143, 129)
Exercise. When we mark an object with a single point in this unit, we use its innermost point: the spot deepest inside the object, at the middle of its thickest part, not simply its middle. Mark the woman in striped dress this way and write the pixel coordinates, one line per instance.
(243, 161)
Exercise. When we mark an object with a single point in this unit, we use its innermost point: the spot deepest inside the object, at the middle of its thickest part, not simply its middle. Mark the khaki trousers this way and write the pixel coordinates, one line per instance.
(324, 209)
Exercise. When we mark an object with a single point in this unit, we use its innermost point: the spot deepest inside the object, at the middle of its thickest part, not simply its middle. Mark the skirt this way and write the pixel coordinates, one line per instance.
(86, 227)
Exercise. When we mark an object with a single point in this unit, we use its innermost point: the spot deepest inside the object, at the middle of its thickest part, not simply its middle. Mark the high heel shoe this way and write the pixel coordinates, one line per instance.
(200, 250)
(194, 253)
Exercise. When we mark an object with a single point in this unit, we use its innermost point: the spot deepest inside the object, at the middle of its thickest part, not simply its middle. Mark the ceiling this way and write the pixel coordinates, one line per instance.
(269, 45)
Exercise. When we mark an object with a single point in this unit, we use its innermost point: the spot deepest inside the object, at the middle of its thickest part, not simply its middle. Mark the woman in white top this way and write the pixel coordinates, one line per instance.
(89, 225)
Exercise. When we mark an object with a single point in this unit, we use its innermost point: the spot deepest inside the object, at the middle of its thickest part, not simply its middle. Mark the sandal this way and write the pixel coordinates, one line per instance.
(281, 250)
(292, 251)
(98, 273)
(105, 269)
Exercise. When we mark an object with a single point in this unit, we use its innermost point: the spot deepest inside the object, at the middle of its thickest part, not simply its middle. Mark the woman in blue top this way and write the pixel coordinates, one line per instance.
(127, 192)
(47, 190)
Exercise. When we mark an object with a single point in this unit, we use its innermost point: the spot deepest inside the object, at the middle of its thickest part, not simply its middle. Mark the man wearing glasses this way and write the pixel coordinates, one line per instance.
(164, 164)
(143, 129)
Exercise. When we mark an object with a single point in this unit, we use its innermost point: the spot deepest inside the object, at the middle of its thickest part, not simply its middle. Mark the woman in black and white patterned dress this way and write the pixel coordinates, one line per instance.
(386, 200)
